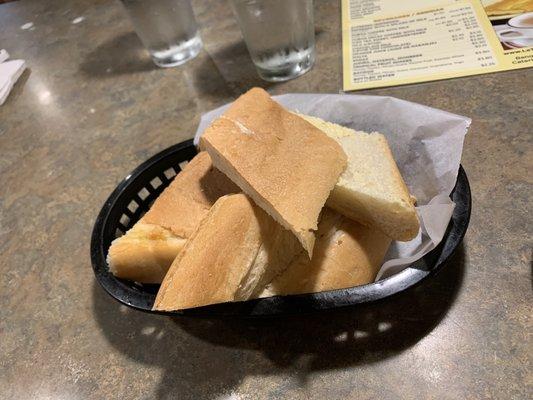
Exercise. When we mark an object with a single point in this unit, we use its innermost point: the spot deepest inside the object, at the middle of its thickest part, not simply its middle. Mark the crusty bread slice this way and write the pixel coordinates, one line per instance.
(371, 190)
(147, 250)
(144, 253)
(346, 254)
(286, 165)
(189, 197)
(235, 251)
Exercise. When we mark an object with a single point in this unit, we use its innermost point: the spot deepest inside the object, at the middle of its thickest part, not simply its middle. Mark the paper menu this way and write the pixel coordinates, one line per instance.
(387, 43)
(389, 8)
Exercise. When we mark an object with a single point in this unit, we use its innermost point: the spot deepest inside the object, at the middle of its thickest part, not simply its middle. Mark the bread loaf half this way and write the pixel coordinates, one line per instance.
(144, 253)
(235, 251)
(346, 254)
(147, 250)
(286, 165)
(371, 190)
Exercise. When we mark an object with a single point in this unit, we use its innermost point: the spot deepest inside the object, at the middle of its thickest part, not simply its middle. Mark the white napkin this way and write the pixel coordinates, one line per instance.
(10, 71)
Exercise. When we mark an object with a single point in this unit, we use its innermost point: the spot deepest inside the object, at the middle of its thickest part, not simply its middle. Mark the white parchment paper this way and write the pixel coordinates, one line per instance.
(427, 144)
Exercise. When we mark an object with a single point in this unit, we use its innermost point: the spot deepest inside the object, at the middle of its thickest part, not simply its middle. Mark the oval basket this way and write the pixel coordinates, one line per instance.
(134, 195)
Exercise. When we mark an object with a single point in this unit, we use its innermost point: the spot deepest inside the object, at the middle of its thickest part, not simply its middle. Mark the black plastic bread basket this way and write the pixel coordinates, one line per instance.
(134, 195)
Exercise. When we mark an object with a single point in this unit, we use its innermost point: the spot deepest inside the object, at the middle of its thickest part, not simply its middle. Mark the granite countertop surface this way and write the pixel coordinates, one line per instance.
(91, 106)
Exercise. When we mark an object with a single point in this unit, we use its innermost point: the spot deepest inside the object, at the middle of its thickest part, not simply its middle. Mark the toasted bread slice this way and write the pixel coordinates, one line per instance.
(235, 251)
(371, 190)
(346, 254)
(144, 253)
(147, 250)
(286, 165)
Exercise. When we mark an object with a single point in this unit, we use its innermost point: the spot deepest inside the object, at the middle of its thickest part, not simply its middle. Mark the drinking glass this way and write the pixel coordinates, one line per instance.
(279, 35)
(167, 28)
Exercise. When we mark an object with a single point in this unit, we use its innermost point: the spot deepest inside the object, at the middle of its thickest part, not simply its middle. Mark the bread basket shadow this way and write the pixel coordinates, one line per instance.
(209, 357)
(134, 195)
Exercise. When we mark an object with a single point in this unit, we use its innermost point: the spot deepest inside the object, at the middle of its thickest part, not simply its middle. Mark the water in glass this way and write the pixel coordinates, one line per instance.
(279, 35)
(167, 29)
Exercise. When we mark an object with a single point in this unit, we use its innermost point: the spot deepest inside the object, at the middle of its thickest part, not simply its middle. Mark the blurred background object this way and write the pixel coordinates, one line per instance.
(167, 29)
(279, 35)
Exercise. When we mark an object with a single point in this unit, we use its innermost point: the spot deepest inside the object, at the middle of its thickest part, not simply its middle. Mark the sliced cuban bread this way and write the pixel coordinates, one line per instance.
(286, 165)
(371, 190)
(346, 254)
(146, 251)
(235, 251)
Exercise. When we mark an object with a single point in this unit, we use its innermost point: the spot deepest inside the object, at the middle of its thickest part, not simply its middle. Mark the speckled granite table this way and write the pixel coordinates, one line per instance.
(92, 106)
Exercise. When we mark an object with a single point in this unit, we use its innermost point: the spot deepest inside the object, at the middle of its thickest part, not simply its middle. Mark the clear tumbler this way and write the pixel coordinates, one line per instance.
(279, 35)
(167, 29)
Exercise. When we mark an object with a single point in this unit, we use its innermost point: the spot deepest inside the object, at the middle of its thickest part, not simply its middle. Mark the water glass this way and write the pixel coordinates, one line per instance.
(167, 29)
(279, 35)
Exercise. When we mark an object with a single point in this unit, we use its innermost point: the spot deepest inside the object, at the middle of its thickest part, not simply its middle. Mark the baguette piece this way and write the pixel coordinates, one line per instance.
(186, 201)
(371, 190)
(236, 250)
(144, 253)
(286, 165)
(147, 250)
(346, 254)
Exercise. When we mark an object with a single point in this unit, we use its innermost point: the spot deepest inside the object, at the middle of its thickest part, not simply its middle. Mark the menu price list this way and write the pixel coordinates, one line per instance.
(441, 40)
